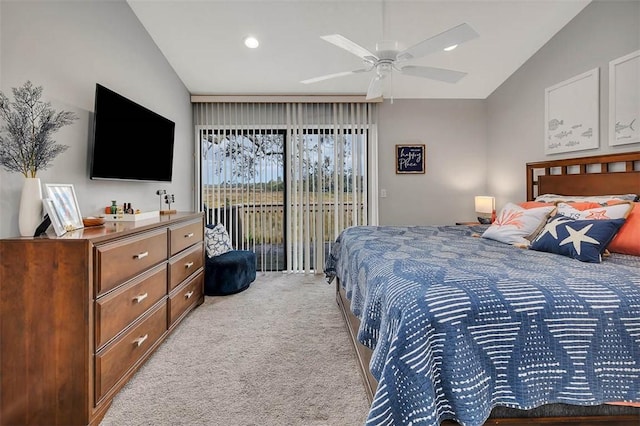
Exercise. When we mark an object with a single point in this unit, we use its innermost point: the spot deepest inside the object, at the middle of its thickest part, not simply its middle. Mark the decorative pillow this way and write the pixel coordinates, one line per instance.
(514, 224)
(217, 240)
(584, 240)
(584, 205)
(534, 204)
(627, 240)
(617, 211)
(600, 199)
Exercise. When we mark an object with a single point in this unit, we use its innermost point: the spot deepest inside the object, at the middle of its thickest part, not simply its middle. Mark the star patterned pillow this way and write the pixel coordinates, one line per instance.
(217, 240)
(584, 240)
(617, 211)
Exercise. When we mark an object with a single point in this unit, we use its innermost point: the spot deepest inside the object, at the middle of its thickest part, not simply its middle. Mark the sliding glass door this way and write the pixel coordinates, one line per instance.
(285, 180)
(326, 192)
(242, 187)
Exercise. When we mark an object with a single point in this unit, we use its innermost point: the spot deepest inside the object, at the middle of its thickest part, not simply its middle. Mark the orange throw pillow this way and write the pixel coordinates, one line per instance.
(627, 240)
(578, 205)
(583, 205)
(534, 204)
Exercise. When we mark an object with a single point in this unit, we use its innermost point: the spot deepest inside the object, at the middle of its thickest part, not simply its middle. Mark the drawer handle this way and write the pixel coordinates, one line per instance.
(188, 265)
(139, 298)
(140, 340)
(189, 235)
(188, 295)
(141, 255)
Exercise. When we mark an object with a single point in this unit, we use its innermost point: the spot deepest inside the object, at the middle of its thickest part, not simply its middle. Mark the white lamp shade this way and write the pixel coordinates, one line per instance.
(485, 204)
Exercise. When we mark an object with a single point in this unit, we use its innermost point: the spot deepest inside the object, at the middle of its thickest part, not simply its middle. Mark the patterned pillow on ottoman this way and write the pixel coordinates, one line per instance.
(217, 240)
(227, 271)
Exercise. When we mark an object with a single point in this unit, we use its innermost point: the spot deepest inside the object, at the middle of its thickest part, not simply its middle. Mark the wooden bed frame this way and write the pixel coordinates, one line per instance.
(594, 175)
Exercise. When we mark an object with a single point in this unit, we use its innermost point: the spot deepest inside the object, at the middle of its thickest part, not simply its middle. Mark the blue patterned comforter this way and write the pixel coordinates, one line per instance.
(460, 324)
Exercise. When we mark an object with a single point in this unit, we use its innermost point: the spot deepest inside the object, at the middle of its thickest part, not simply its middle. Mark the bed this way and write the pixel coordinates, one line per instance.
(450, 327)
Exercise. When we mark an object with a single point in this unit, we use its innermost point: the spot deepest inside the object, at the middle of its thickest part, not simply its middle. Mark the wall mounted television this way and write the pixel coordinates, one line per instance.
(130, 142)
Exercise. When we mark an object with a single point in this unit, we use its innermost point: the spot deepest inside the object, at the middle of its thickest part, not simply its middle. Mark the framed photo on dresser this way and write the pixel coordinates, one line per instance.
(50, 210)
(61, 200)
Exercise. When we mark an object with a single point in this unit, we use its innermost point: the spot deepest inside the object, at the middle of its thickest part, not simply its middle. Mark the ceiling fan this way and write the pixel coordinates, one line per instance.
(387, 58)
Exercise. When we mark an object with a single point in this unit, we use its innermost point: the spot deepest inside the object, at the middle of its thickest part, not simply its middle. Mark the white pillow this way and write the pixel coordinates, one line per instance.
(217, 240)
(616, 211)
(514, 224)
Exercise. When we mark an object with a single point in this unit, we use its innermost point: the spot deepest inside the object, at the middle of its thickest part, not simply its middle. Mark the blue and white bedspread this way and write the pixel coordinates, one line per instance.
(460, 324)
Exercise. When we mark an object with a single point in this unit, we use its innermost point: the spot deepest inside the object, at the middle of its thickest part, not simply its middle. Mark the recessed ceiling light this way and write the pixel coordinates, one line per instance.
(251, 42)
(450, 48)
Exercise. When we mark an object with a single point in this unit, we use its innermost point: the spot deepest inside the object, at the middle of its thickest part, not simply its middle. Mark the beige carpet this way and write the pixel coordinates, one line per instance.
(277, 354)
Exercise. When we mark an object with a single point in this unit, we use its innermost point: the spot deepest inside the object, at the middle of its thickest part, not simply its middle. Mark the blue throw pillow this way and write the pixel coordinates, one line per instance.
(584, 240)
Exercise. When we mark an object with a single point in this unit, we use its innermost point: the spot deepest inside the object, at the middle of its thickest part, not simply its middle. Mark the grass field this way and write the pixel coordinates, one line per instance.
(261, 213)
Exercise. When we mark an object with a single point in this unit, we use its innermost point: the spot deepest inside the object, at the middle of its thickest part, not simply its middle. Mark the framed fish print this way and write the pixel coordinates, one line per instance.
(572, 114)
(624, 99)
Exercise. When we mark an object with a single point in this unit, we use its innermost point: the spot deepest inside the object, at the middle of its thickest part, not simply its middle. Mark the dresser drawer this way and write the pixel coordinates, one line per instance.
(185, 297)
(122, 354)
(184, 235)
(118, 309)
(185, 264)
(126, 258)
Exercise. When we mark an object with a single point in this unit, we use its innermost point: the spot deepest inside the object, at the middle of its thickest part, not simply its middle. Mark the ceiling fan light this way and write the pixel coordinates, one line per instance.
(383, 69)
(450, 48)
(251, 42)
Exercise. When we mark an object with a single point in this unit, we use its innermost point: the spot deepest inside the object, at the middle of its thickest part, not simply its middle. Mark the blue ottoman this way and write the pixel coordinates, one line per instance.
(229, 273)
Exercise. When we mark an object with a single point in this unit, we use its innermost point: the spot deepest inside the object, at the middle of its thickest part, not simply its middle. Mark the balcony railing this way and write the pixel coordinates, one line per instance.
(250, 224)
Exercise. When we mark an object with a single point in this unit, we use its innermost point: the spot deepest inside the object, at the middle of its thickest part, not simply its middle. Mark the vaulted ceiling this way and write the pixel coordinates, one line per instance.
(203, 42)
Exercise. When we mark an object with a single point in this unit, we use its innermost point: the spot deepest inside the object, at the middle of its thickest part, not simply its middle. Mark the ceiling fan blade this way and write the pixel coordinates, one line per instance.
(349, 46)
(338, 74)
(453, 36)
(449, 76)
(375, 87)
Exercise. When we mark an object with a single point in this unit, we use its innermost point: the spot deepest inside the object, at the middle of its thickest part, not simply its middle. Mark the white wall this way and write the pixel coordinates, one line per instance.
(603, 31)
(67, 47)
(455, 135)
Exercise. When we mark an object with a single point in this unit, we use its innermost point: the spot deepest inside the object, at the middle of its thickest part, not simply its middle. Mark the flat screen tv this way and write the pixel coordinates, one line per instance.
(130, 141)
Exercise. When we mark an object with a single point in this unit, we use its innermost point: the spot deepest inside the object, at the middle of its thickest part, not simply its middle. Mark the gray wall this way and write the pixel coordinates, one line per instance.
(455, 136)
(67, 47)
(603, 31)
(479, 147)
(473, 146)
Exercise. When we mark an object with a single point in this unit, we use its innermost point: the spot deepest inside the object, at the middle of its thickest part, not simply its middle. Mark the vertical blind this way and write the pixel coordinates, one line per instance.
(285, 178)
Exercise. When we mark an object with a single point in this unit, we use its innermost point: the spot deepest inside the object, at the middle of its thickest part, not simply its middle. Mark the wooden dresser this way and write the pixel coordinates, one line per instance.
(80, 313)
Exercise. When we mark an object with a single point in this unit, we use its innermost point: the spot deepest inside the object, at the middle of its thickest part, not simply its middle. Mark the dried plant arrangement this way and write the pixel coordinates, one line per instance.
(26, 145)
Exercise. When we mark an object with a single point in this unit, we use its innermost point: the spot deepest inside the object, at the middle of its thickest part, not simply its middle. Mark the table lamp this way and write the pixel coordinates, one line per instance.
(486, 207)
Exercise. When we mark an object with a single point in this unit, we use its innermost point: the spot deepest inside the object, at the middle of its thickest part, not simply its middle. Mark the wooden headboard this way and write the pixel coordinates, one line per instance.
(595, 175)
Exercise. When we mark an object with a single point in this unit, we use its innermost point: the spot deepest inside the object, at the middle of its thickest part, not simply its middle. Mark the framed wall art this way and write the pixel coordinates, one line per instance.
(410, 158)
(572, 114)
(624, 99)
(62, 199)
